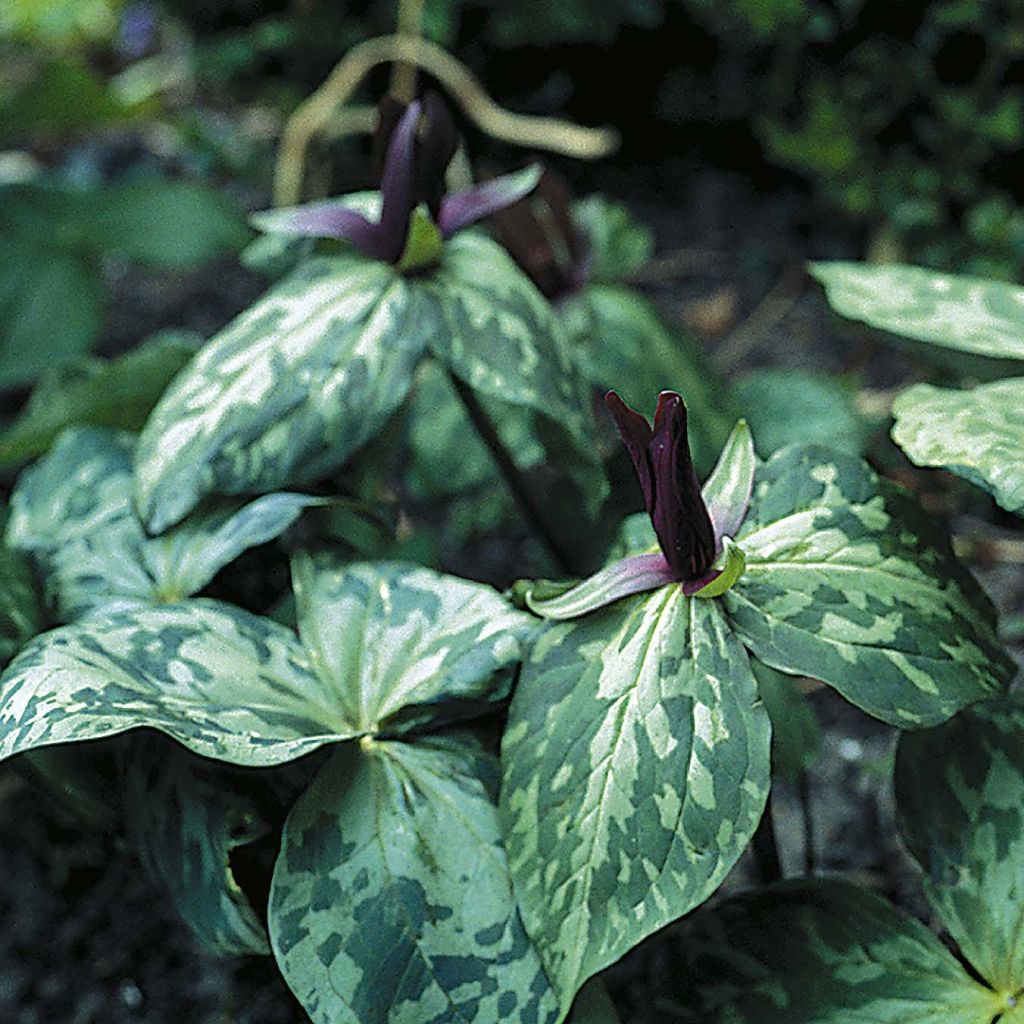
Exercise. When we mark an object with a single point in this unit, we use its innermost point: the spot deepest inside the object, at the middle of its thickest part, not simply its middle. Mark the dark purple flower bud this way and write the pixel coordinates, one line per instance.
(544, 239)
(671, 490)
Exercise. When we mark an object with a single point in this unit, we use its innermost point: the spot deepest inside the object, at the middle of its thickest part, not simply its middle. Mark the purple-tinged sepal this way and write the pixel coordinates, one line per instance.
(671, 490)
(463, 209)
(728, 490)
(634, 575)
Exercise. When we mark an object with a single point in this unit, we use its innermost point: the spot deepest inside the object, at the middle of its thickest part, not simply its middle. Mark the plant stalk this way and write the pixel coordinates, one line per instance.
(766, 848)
(523, 492)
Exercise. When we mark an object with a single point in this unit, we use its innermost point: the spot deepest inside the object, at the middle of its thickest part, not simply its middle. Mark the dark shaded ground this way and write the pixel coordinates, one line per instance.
(85, 938)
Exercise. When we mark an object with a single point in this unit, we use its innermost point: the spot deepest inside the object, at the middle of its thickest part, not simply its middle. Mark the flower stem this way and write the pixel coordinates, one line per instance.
(766, 848)
(523, 492)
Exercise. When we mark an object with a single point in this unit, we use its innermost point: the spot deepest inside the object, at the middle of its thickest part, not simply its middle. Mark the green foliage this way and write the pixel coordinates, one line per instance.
(115, 393)
(21, 615)
(977, 434)
(50, 292)
(617, 244)
(260, 405)
(73, 512)
(796, 735)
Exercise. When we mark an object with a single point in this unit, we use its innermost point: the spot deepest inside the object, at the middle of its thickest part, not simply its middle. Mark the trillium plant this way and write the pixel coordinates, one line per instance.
(464, 802)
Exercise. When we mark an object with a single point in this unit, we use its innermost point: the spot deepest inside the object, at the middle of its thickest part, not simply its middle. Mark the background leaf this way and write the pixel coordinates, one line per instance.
(636, 767)
(116, 393)
(391, 898)
(21, 616)
(796, 734)
(821, 951)
(960, 799)
(970, 314)
(977, 434)
(618, 244)
(848, 581)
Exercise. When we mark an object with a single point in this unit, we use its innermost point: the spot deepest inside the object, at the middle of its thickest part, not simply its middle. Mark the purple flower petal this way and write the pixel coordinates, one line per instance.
(634, 575)
(398, 186)
(636, 435)
(461, 209)
(437, 141)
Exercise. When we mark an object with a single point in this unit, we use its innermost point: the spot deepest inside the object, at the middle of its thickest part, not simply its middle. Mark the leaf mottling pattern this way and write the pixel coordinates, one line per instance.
(977, 434)
(636, 766)
(391, 900)
(960, 800)
(226, 684)
(849, 582)
(820, 952)
(288, 390)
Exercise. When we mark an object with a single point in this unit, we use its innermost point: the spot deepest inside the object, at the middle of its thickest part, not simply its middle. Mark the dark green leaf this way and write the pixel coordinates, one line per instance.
(618, 245)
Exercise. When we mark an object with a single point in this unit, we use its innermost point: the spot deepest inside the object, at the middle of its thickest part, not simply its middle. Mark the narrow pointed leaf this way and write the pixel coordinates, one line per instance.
(391, 899)
(398, 646)
(820, 951)
(960, 798)
(287, 391)
(185, 816)
(226, 684)
(977, 434)
(954, 311)
(848, 581)
(461, 209)
(636, 765)
(727, 491)
(634, 575)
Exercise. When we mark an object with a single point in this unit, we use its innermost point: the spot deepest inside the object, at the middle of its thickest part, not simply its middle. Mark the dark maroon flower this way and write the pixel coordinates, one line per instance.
(671, 490)
(419, 148)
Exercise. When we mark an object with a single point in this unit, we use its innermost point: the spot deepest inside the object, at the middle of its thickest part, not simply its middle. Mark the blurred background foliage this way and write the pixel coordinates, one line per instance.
(135, 132)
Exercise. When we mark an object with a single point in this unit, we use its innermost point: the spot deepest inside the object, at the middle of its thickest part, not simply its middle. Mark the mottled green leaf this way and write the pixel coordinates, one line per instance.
(288, 390)
(977, 434)
(185, 816)
(226, 684)
(73, 511)
(960, 798)
(622, 343)
(820, 952)
(391, 899)
(618, 245)
(399, 646)
(117, 393)
(636, 766)
(787, 406)
(848, 581)
(970, 314)
(497, 333)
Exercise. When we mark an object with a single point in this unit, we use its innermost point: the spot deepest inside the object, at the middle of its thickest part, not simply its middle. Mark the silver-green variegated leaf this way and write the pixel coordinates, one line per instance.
(73, 511)
(625, 345)
(295, 385)
(848, 581)
(391, 901)
(960, 800)
(185, 816)
(970, 314)
(977, 434)
(288, 390)
(397, 646)
(498, 334)
(819, 952)
(225, 683)
(636, 767)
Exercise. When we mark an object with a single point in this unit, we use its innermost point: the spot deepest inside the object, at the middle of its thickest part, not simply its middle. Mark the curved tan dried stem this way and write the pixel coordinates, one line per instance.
(316, 112)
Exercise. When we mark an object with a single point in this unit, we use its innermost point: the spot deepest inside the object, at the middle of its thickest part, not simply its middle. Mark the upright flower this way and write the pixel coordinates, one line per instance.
(694, 526)
(416, 214)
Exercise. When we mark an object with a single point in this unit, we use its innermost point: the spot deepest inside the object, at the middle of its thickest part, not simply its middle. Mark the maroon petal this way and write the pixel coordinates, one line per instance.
(461, 209)
(636, 435)
(398, 186)
(436, 143)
